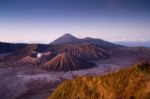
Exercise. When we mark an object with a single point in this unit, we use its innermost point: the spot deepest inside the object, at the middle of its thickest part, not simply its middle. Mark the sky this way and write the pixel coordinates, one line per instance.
(45, 20)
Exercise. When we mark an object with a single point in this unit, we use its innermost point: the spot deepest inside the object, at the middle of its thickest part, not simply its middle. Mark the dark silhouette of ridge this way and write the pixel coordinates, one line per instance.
(10, 47)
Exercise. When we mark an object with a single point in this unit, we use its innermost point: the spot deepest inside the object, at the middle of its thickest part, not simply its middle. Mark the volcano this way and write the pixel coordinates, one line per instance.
(70, 39)
(46, 56)
(91, 52)
(67, 39)
(28, 60)
(66, 62)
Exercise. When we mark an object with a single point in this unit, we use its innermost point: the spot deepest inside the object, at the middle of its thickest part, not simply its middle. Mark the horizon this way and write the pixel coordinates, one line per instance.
(130, 42)
(43, 21)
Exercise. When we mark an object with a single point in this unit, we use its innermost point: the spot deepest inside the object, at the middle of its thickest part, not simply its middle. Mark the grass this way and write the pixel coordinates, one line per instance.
(130, 83)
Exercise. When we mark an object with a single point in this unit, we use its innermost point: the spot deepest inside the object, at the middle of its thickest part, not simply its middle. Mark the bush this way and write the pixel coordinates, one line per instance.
(145, 66)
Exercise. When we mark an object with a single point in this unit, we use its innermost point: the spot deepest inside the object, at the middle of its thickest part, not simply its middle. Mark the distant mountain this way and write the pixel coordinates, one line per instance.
(10, 47)
(67, 39)
(98, 42)
(15, 47)
(134, 43)
(70, 39)
(66, 62)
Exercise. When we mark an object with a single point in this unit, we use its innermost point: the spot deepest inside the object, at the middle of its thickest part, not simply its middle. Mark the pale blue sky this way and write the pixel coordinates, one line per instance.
(45, 20)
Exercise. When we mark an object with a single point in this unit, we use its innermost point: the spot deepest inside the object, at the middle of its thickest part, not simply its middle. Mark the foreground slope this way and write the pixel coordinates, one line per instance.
(131, 83)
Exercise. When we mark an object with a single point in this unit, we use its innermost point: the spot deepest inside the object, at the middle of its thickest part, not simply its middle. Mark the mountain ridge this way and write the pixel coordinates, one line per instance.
(70, 39)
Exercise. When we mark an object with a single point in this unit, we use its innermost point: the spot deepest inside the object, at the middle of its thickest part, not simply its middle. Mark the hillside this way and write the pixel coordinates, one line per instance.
(66, 62)
(130, 83)
(23, 52)
(27, 60)
(88, 51)
(99, 42)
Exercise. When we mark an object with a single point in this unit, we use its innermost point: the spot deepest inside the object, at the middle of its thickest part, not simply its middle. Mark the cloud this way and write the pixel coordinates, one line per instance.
(129, 40)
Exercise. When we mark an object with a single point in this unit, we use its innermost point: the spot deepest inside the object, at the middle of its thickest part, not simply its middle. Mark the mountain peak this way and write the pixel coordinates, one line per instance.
(66, 38)
(70, 39)
(68, 35)
(88, 38)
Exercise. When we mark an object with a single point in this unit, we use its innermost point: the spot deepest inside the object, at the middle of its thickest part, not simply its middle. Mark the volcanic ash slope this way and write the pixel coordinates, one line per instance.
(66, 62)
